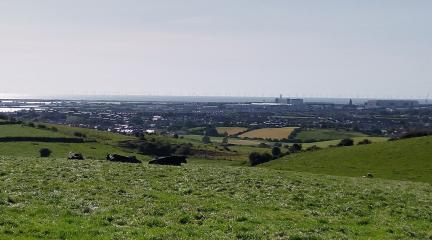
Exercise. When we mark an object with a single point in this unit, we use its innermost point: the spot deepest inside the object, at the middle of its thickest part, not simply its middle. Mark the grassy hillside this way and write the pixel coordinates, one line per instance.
(92, 150)
(325, 144)
(18, 130)
(409, 159)
(100, 136)
(61, 150)
(61, 199)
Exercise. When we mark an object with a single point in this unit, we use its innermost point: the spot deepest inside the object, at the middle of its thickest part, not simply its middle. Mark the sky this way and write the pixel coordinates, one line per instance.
(304, 48)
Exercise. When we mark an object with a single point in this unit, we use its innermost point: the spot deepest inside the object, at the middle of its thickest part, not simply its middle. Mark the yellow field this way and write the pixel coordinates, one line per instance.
(272, 133)
(230, 130)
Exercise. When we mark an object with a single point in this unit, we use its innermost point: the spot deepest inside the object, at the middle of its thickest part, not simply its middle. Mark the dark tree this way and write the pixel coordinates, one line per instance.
(295, 148)
(257, 158)
(79, 134)
(276, 152)
(346, 142)
(211, 131)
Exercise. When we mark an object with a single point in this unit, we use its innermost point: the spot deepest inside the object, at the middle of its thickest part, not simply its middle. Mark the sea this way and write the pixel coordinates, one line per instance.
(153, 98)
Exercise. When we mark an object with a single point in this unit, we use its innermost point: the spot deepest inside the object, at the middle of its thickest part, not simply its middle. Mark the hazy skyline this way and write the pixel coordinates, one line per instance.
(342, 48)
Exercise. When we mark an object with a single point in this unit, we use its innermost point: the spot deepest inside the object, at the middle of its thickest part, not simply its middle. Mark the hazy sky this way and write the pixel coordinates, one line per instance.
(323, 48)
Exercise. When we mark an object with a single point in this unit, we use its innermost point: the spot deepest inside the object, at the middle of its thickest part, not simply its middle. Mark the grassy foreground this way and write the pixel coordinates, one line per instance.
(95, 199)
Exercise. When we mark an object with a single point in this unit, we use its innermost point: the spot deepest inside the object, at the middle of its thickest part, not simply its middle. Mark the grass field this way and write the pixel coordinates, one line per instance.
(100, 136)
(61, 150)
(24, 131)
(269, 133)
(93, 150)
(61, 199)
(326, 134)
(231, 130)
(235, 141)
(409, 159)
(326, 144)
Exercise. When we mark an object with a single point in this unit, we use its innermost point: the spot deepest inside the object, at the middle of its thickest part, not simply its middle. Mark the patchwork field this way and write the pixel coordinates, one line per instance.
(231, 130)
(269, 133)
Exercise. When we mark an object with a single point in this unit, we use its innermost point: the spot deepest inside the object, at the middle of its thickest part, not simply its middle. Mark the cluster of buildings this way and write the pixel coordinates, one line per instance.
(289, 101)
(391, 104)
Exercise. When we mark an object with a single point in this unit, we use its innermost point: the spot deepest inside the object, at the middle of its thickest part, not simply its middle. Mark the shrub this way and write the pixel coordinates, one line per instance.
(413, 134)
(184, 149)
(258, 158)
(206, 139)
(313, 148)
(41, 126)
(225, 141)
(346, 142)
(263, 145)
(79, 134)
(45, 152)
(211, 131)
(158, 148)
(364, 142)
(295, 148)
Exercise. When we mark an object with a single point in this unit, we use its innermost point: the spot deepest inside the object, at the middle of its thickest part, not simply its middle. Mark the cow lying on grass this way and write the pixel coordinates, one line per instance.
(171, 160)
(75, 156)
(120, 158)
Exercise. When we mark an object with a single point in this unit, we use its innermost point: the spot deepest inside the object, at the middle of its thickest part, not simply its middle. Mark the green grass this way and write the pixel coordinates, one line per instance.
(61, 150)
(409, 159)
(61, 199)
(100, 136)
(56, 198)
(235, 141)
(326, 134)
(326, 144)
(93, 150)
(24, 131)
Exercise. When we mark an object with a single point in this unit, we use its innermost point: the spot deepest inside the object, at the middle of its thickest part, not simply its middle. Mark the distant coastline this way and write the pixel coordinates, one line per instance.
(147, 98)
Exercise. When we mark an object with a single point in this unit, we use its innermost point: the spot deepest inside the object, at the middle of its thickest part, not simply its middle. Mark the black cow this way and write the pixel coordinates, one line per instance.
(120, 158)
(75, 156)
(171, 160)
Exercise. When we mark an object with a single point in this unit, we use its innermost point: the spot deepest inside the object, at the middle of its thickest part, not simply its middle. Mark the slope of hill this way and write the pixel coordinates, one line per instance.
(18, 130)
(102, 144)
(95, 199)
(409, 159)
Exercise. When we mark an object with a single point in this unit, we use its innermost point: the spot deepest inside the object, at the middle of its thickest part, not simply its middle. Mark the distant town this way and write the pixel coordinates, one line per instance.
(375, 117)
